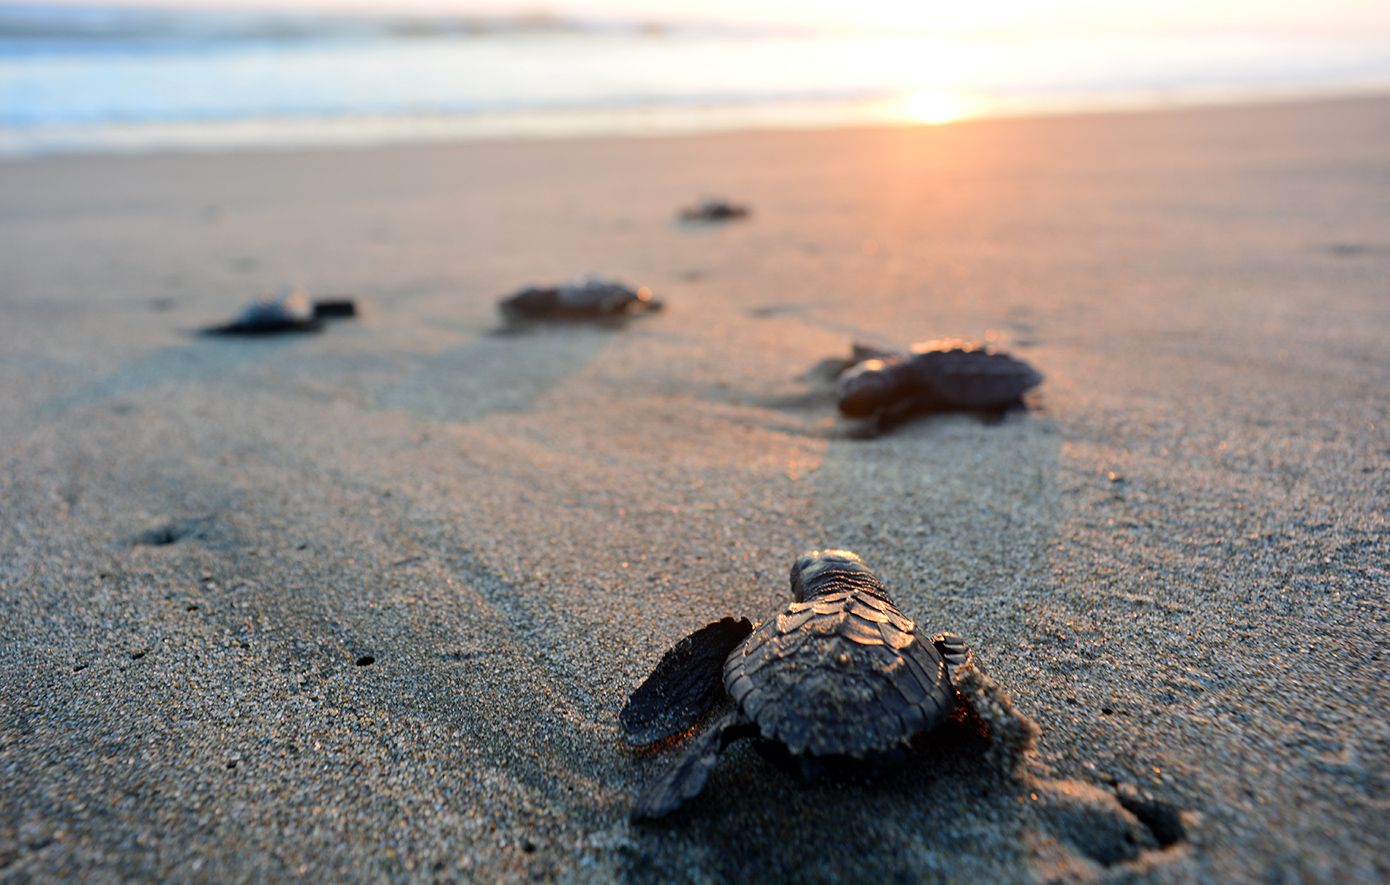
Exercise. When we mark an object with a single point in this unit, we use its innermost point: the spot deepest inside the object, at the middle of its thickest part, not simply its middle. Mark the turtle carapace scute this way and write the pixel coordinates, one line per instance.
(838, 673)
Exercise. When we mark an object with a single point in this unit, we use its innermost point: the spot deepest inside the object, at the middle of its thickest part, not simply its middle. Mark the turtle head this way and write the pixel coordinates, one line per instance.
(818, 572)
(868, 387)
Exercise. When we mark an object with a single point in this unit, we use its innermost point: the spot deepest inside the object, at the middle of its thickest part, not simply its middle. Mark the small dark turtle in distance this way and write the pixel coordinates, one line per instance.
(937, 376)
(715, 210)
(838, 676)
(582, 298)
(285, 310)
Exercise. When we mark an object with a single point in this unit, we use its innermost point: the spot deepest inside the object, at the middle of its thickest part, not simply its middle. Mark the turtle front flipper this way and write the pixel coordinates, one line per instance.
(953, 651)
(684, 778)
(685, 686)
(1012, 733)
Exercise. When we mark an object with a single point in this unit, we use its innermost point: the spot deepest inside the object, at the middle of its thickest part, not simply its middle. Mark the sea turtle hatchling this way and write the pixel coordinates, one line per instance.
(839, 673)
(585, 297)
(936, 376)
(715, 209)
(285, 310)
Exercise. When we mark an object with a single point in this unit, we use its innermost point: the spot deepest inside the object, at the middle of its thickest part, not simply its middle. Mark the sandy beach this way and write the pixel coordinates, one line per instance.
(417, 566)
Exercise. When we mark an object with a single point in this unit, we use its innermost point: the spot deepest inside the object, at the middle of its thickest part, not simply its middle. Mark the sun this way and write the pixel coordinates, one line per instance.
(934, 107)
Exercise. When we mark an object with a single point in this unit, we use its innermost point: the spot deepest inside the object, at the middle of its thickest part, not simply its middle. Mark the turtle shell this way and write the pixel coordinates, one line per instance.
(937, 376)
(282, 310)
(843, 673)
(582, 298)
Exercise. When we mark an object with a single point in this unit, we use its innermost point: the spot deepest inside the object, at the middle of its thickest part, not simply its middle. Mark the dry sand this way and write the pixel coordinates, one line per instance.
(1176, 563)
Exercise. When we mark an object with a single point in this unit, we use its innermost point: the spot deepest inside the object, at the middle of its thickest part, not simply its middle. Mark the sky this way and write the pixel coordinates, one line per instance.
(935, 15)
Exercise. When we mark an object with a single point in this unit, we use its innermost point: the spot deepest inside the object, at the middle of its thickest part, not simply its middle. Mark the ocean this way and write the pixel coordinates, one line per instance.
(95, 79)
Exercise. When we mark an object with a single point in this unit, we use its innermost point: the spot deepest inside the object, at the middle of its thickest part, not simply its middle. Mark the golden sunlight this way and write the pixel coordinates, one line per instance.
(934, 107)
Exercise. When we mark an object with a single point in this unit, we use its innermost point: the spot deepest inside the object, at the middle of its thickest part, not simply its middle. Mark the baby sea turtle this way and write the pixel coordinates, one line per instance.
(285, 310)
(936, 376)
(839, 674)
(715, 210)
(582, 298)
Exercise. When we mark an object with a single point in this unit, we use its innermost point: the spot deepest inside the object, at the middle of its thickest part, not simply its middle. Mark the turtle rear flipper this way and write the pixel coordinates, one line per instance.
(685, 686)
(684, 778)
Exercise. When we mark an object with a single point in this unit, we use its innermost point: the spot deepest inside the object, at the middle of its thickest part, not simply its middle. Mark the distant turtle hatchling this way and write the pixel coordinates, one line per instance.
(936, 376)
(839, 674)
(285, 310)
(582, 298)
(715, 209)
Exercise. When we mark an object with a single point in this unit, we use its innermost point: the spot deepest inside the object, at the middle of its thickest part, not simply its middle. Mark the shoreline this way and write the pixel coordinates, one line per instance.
(366, 132)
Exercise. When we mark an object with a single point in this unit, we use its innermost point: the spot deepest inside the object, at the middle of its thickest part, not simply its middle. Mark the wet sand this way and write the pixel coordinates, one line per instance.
(1175, 562)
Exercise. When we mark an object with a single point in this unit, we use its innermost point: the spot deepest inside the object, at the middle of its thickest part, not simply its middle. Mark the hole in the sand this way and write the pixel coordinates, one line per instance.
(1161, 819)
(775, 310)
(79, 668)
(231, 765)
(193, 608)
(138, 655)
(172, 532)
(160, 537)
(1107, 711)
(366, 661)
(1346, 250)
(527, 846)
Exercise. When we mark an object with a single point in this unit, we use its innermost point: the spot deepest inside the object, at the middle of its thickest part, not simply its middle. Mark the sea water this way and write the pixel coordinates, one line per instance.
(99, 79)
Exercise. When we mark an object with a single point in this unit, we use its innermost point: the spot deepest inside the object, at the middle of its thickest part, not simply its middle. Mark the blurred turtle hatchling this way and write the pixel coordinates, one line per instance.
(947, 375)
(585, 297)
(715, 209)
(285, 310)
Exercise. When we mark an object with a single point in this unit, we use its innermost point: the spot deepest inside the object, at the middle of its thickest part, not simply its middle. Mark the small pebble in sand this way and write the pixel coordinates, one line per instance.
(839, 678)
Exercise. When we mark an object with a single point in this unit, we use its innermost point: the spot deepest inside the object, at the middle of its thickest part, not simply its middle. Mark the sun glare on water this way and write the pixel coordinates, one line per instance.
(934, 107)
